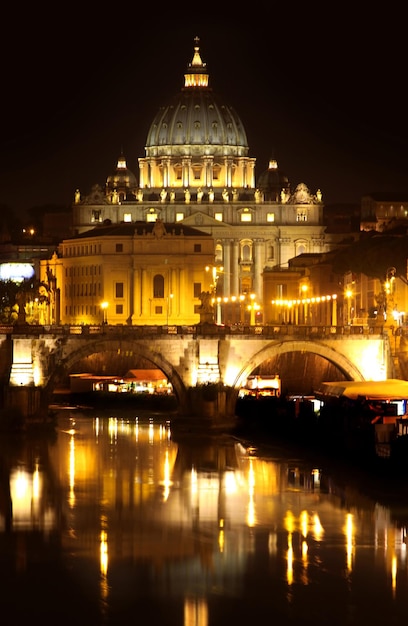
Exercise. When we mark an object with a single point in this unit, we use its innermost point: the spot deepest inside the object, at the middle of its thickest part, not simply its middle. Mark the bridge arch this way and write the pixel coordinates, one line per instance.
(189, 357)
(347, 367)
(101, 345)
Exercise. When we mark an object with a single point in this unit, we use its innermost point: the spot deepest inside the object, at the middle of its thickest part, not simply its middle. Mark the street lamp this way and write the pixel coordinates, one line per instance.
(214, 275)
(252, 308)
(304, 288)
(218, 301)
(104, 307)
(349, 295)
(389, 288)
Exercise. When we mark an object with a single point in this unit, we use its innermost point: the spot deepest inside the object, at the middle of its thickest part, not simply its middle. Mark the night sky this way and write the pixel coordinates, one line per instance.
(323, 93)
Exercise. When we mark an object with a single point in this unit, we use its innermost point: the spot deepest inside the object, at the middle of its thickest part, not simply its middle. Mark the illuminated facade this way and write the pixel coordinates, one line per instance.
(130, 274)
(197, 172)
(382, 211)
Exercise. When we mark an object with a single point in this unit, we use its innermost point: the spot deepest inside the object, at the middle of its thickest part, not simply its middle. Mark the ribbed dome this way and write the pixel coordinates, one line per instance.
(197, 117)
(197, 141)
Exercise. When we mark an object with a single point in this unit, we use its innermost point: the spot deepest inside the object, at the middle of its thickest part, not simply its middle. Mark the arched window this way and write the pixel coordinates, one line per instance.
(158, 286)
(300, 248)
(246, 252)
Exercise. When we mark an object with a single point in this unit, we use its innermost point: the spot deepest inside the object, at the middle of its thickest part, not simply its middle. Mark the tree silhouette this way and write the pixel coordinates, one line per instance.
(373, 255)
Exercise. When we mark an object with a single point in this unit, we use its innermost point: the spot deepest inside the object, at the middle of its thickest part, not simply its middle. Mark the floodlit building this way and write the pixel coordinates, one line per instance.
(130, 273)
(197, 173)
(383, 211)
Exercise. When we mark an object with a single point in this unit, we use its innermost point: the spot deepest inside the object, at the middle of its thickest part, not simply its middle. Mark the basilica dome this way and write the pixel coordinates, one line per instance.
(197, 117)
(122, 184)
(197, 140)
(273, 183)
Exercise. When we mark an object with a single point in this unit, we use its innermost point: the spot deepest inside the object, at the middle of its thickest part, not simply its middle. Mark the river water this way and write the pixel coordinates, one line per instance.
(115, 518)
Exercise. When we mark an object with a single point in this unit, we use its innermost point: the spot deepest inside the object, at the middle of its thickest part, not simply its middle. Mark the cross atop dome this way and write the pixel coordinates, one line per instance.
(196, 75)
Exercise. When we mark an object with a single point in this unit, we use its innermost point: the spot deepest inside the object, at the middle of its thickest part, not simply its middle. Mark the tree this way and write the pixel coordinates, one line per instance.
(372, 255)
(8, 302)
(13, 297)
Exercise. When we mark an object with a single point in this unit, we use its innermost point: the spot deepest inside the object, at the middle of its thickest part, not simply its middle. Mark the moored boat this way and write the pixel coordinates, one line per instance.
(369, 415)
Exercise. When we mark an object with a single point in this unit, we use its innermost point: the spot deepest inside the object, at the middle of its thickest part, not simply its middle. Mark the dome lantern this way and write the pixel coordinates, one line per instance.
(196, 75)
(197, 141)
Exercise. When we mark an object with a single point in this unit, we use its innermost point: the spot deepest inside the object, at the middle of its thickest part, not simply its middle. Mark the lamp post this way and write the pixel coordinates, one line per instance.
(104, 307)
(218, 301)
(252, 308)
(304, 288)
(389, 289)
(215, 271)
(349, 295)
(334, 310)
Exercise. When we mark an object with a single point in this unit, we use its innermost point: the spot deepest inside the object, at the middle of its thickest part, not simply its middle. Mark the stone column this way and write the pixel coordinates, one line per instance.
(166, 173)
(142, 174)
(228, 172)
(131, 296)
(227, 267)
(186, 162)
(143, 295)
(208, 171)
(251, 166)
(259, 262)
(234, 269)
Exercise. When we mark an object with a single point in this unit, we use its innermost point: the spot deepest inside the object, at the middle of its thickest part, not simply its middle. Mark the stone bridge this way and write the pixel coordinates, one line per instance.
(35, 359)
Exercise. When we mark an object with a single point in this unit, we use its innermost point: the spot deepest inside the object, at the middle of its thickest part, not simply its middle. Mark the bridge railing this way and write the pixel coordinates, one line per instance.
(199, 330)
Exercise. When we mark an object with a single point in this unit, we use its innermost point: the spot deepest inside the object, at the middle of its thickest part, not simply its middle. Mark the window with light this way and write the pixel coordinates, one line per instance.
(246, 217)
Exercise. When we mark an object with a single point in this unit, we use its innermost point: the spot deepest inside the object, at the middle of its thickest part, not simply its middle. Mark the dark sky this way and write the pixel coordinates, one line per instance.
(323, 93)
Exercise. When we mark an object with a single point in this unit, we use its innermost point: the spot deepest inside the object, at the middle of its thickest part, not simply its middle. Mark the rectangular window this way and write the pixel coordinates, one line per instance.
(246, 217)
(197, 290)
(151, 217)
(119, 309)
(218, 217)
(197, 247)
(127, 217)
(179, 217)
(301, 215)
(270, 217)
(119, 247)
(118, 290)
(158, 310)
(281, 291)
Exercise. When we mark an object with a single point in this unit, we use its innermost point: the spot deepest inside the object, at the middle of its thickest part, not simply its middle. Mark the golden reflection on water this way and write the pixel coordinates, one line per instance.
(133, 491)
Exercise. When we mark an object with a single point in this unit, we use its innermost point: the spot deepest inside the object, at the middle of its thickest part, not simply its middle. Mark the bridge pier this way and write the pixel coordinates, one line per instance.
(208, 407)
(23, 404)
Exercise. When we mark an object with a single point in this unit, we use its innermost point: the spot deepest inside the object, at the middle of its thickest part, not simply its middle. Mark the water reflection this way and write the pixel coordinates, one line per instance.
(113, 519)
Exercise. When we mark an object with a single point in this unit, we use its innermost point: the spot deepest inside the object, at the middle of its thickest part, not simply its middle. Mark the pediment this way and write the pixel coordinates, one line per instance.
(201, 219)
(96, 197)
